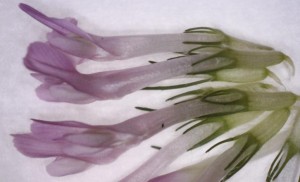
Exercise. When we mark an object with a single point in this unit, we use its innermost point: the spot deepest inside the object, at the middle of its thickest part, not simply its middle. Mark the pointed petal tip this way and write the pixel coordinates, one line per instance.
(31, 11)
(24, 7)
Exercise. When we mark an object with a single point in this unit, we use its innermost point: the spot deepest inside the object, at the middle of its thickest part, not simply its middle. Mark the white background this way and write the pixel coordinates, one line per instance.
(275, 23)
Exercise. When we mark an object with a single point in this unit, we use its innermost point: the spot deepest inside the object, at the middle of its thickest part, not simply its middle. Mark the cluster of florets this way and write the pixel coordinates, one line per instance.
(207, 55)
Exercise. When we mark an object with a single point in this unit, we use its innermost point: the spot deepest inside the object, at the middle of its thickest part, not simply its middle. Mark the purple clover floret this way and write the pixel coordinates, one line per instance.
(63, 83)
(75, 142)
(68, 37)
(75, 145)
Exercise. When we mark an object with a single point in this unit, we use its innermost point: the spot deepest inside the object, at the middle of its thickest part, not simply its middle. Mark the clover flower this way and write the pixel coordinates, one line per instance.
(75, 145)
(68, 37)
(103, 144)
(71, 39)
(205, 112)
(86, 144)
(63, 83)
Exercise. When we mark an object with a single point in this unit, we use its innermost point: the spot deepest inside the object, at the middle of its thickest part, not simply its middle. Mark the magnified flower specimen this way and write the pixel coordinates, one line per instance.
(204, 111)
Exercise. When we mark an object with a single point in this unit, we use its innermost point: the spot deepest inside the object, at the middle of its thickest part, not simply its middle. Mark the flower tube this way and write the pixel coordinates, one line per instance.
(63, 83)
(71, 39)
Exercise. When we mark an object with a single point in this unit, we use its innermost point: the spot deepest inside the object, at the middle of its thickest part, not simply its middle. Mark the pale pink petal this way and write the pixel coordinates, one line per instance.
(63, 166)
(34, 147)
(63, 93)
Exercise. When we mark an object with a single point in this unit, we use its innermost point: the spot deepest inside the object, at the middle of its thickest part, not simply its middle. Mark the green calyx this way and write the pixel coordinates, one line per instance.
(255, 101)
(240, 75)
(226, 97)
(205, 30)
(268, 101)
(199, 93)
(253, 139)
(268, 127)
(226, 122)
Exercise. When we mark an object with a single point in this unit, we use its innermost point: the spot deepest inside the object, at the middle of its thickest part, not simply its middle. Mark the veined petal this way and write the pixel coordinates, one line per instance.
(55, 130)
(43, 54)
(34, 147)
(90, 139)
(75, 46)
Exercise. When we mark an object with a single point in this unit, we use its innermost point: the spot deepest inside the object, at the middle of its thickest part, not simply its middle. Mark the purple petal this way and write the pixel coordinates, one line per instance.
(92, 154)
(46, 79)
(40, 54)
(62, 166)
(74, 124)
(57, 68)
(80, 151)
(63, 26)
(34, 147)
(55, 130)
(75, 46)
(90, 139)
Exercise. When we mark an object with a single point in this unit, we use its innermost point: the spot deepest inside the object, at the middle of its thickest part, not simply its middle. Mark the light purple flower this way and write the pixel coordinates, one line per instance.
(77, 143)
(71, 39)
(63, 83)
